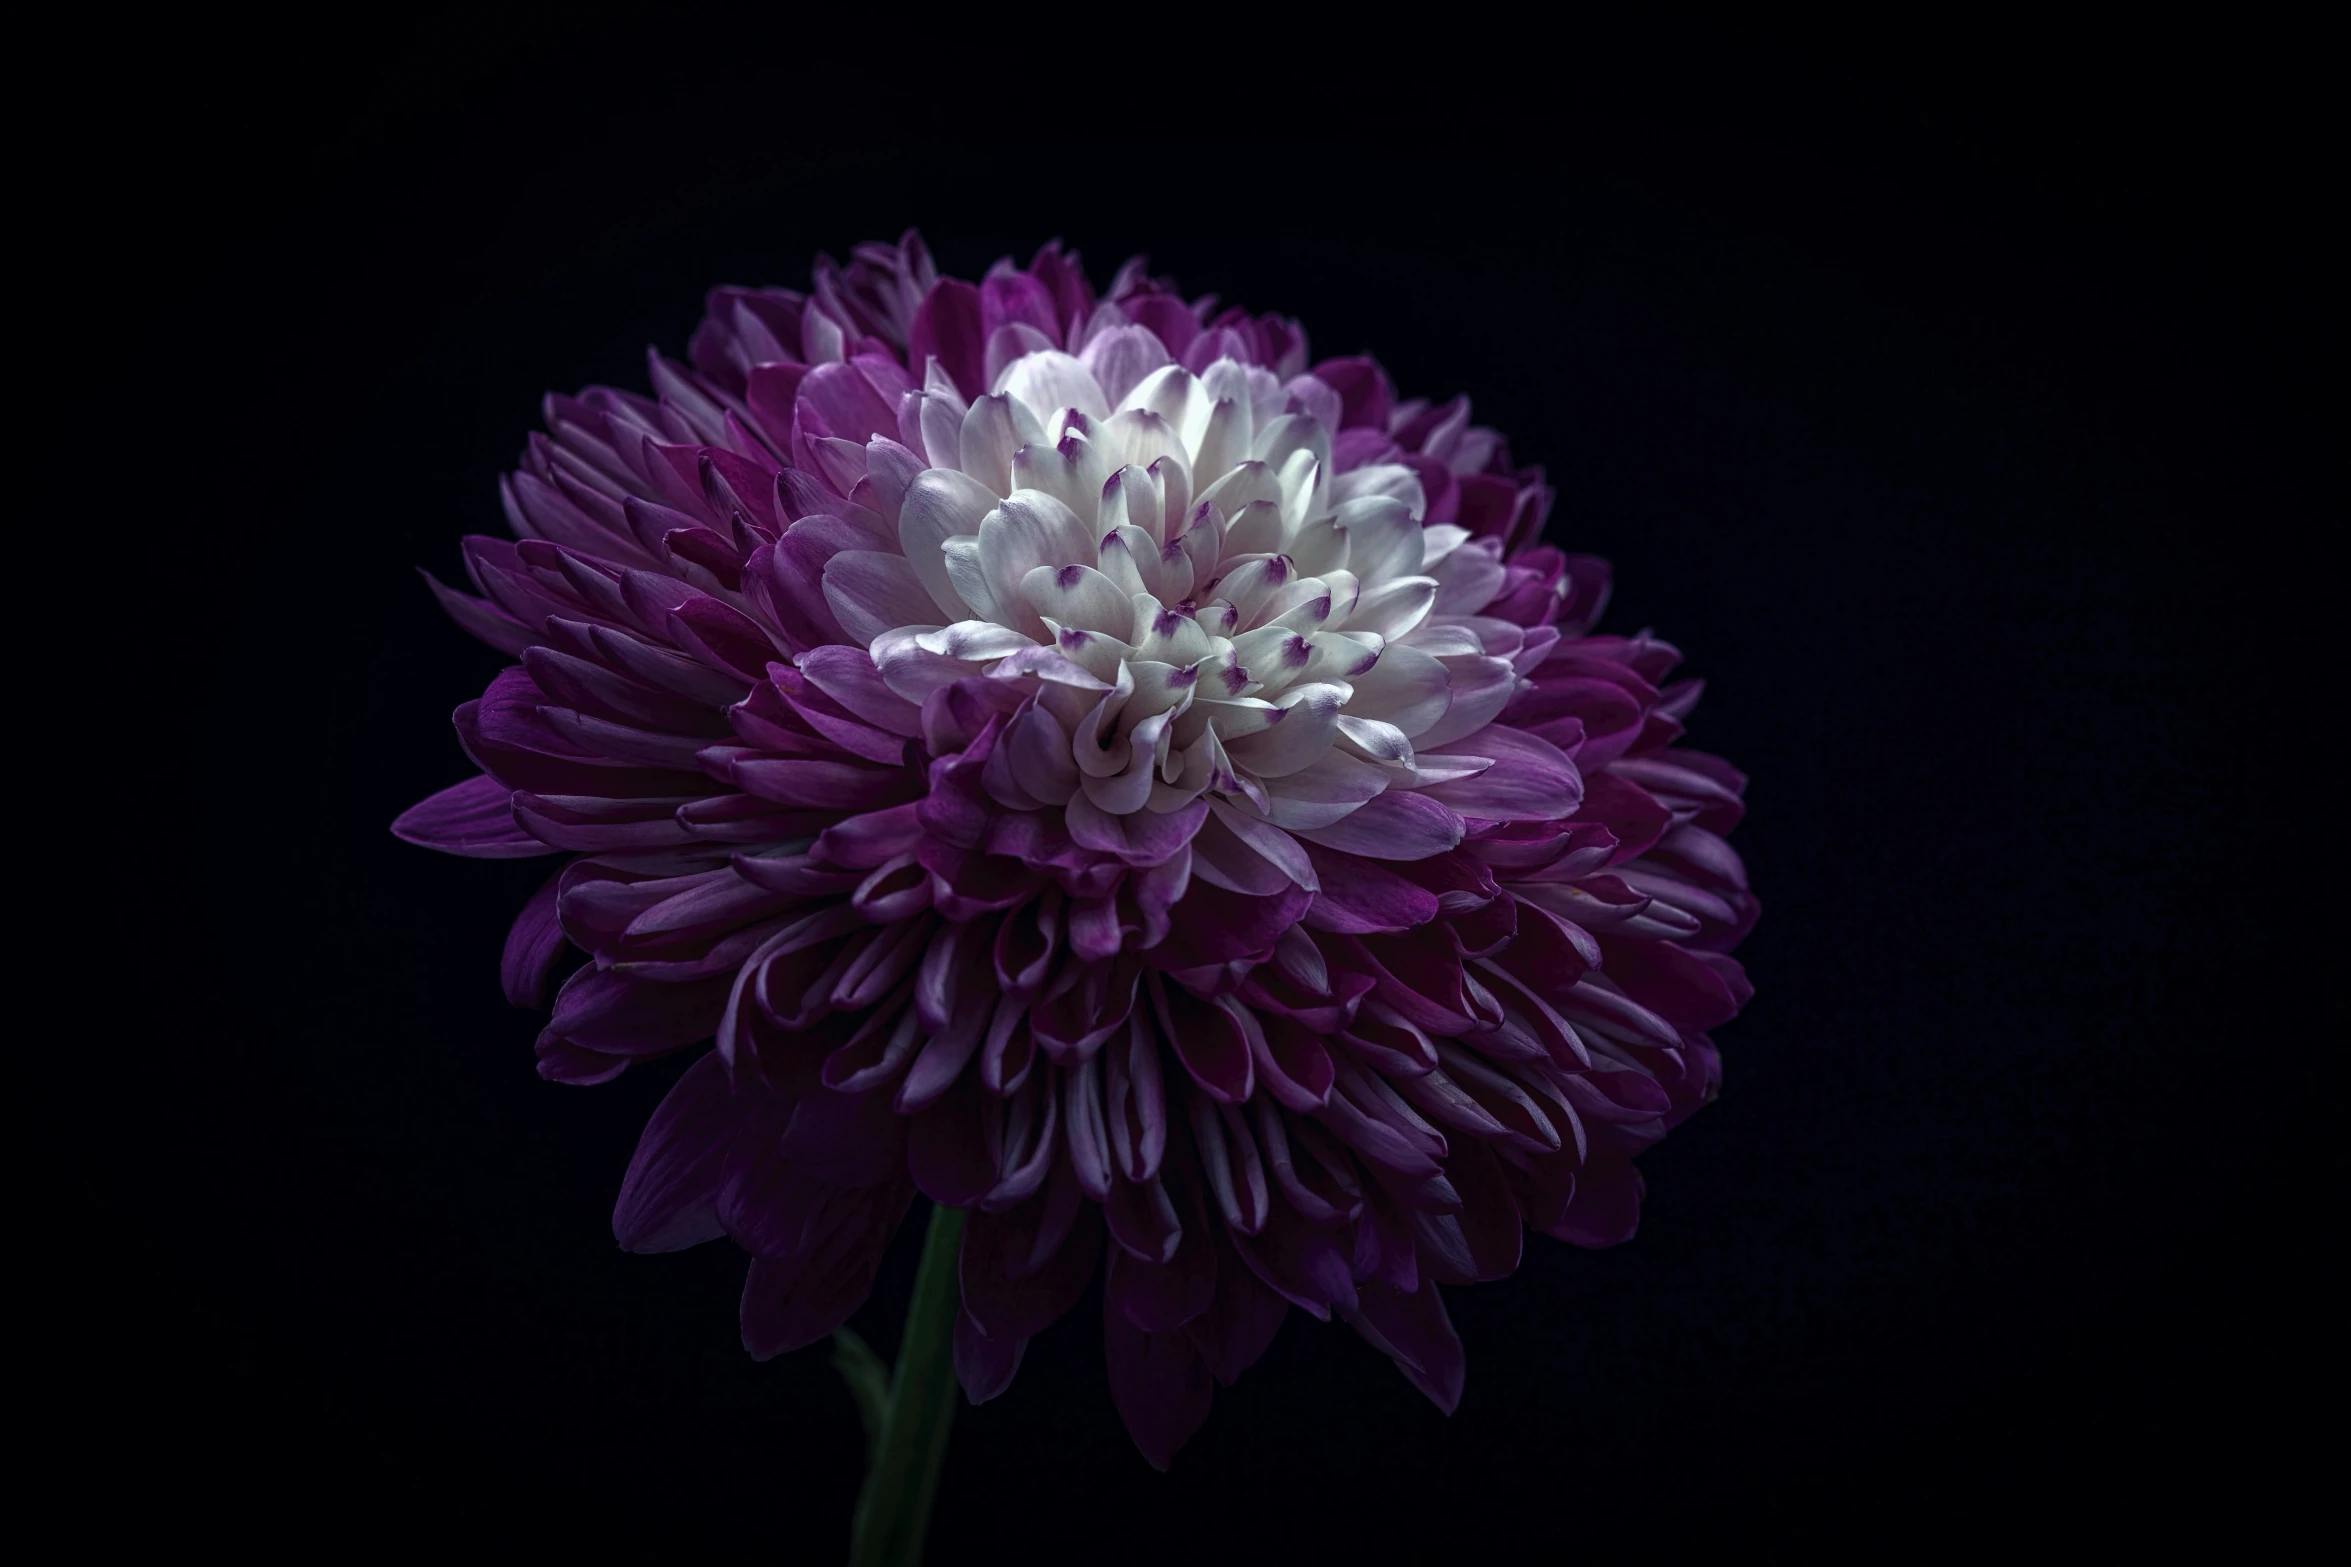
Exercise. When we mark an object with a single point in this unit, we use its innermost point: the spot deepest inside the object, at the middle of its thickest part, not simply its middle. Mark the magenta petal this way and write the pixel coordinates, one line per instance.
(1364, 393)
(948, 326)
(852, 410)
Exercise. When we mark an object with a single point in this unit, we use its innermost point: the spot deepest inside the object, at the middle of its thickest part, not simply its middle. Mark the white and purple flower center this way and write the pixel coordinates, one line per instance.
(1201, 607)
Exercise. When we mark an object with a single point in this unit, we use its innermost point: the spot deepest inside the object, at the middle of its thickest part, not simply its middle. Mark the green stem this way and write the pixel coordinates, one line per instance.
(894, 1509)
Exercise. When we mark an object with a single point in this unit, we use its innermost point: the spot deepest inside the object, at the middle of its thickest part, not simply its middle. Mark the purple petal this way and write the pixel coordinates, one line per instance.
(474, 819)
(669, 1198)
(947, 1147)
(1212, 925)
(1684, 988)
(1159, 1383)
(1139, 838)
(814, 785)
(1292, 1062)
(871, 593)
(948, 326)
(1240, 1322)
(845, 1139)
(561, 1061)
(847, 675)
(1627, 810)
(794, 1301)
(1606, 1208)
(532, 945)
(1022, 1270)
(1481, 1242)
(984, 1366)
(1159, 1296)
(1414, 1331)
(1398, 825)
(613, 1012)
(481, 619)
(1208, 1039)
(1358, 895)
(1120, 358)
(1302, 1262)
(1143, 1219)
(1531, 779)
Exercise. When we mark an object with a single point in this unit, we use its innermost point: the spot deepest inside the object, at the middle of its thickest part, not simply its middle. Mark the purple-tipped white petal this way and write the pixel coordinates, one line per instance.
(1029, 530)
(1394, 607)
(1383, 539)
(1406, 688)
(1139, 438)
(1330, 790)
(1481, 688)
(1376, 741)
(1393, 481)
(973, 641)
(941, 504)
(1309, 719)
(1073, 471)
(1050, 381)
(1079, 596)
(995, 429)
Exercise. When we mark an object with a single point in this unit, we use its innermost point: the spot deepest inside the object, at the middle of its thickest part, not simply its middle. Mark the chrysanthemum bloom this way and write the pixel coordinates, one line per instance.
(1090, 765)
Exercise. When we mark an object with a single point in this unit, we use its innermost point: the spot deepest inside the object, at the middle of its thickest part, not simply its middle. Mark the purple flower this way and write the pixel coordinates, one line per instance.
(1091, 765)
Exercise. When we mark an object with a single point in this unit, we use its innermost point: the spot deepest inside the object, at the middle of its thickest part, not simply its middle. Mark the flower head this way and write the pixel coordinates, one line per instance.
(1085, 765)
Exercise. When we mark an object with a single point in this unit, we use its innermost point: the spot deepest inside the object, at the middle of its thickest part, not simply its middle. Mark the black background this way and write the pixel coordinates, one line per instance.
(1942, 405)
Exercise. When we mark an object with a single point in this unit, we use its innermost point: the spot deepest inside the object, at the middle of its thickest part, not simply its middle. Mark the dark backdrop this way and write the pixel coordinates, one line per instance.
(1931, 405)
